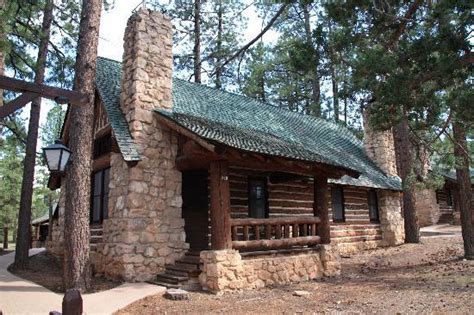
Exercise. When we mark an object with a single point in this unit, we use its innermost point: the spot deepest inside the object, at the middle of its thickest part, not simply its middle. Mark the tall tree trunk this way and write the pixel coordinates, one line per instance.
(5, 236)
(78, 180)
(24, 215)
(220, 30)
(461, 152)
(314, 78)
(197, 41)
(335, 93)
(405, 157)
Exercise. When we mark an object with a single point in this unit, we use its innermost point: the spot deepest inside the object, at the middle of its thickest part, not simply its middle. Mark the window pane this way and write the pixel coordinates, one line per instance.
(105, 204)
(97, 183)
(96, 209)
(373, 206)
(257, 199)
(337, 201)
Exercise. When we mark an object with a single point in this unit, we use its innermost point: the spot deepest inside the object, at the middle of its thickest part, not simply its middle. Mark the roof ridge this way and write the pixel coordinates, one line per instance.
(333, 124)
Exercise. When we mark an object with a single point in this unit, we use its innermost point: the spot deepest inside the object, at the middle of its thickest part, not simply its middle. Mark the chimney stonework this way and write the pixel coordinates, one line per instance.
(145, 229)
(380, 147)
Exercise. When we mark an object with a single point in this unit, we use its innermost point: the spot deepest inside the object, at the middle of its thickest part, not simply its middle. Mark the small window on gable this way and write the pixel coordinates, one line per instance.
(337, 202)
(102, 145)
(257, 198)
(100, 196)
(373, 206)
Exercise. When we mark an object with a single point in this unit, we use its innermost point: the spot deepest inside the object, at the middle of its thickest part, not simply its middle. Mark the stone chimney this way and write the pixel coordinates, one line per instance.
(380, 147)
(145, 229)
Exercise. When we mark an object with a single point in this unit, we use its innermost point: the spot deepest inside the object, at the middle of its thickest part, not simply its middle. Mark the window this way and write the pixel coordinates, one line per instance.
(102, 146)
(373, 206)
(337, 201)
(100, 196)
(258, 198)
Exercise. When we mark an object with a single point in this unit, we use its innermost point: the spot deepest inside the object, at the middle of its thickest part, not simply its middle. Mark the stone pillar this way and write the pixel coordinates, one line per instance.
(145, 229)
(55, 245)
(391, 220)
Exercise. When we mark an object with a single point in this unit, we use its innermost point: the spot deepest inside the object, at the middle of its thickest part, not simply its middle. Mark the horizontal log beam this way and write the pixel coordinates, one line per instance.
(59, 95)
(17, 103)
(277, 243)
(275, 221)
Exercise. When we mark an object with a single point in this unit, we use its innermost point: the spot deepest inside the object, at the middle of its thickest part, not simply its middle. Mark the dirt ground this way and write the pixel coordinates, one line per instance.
(413, 278)
(46, 270)
(5, 251)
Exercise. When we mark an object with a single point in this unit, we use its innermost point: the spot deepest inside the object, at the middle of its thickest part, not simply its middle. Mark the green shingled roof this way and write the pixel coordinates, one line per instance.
(244, 123)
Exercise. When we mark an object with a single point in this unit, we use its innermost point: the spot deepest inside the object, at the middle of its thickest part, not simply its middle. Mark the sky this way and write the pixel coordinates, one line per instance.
(112, 27)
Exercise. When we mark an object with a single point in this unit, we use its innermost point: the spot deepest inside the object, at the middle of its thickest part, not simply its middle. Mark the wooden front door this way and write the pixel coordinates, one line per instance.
(195, 208)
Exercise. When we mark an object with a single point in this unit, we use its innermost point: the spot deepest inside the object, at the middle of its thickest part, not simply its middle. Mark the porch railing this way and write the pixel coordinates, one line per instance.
(274, 233)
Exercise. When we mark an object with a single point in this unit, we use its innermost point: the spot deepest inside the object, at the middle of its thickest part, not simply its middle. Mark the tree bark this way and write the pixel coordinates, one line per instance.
(24, 216)
(197, 41)
(314, 78)
(2, 55)
(461, 152)
(220, 27)
(78, 181)
(335, 93)
(405, 157)
(5, 236)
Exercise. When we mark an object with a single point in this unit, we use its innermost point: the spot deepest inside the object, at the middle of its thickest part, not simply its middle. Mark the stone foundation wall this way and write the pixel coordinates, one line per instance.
(391, 220)
(226, 271)
(426, 207)
(145, 229)
(56, 245)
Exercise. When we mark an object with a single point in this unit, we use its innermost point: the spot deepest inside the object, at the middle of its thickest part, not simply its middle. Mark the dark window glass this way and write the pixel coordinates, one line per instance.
(373, 206)
(257, 198)
(102, 146)
(100, 196)
(337, 201)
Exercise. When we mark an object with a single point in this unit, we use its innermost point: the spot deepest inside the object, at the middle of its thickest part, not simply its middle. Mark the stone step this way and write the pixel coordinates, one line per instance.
(190, 260)
(165, 277)
(356, 239)
(188, 269)
(178, 273)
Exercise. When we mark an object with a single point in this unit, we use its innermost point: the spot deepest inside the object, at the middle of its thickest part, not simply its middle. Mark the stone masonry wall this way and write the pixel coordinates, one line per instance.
(391, 220)
(225, 270)
(144, 230)
(427, 209)
(56, 245)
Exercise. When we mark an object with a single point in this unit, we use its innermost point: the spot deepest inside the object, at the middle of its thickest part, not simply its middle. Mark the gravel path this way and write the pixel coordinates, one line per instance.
(420, 278)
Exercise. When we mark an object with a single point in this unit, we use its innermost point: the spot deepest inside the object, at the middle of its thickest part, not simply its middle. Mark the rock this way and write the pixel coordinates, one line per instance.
(301, 293)
(176, 294)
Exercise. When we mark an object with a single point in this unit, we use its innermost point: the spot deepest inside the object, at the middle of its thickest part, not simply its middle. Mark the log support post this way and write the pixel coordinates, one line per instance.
(220, 205)
(321, 209)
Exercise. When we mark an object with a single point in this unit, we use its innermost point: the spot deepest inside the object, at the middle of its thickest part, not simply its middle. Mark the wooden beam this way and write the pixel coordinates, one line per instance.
(321, 208)
(220, 205)
(185, 132)
(54, 93)
(17, 103)
(276, 243)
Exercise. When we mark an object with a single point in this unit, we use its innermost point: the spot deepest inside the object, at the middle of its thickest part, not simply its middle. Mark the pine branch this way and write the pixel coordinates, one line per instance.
(256, 38)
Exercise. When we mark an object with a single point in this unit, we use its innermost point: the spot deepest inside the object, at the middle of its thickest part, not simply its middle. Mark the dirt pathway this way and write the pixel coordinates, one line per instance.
(422, 278)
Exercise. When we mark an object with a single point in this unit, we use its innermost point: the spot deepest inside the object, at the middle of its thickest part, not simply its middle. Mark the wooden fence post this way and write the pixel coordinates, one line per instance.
(72, 302)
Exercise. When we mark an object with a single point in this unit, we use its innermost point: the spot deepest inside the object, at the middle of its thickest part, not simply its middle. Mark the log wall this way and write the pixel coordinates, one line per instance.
(295, 198)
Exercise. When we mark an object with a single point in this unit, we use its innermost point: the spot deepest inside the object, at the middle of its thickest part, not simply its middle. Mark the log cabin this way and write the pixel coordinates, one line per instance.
(194, 186)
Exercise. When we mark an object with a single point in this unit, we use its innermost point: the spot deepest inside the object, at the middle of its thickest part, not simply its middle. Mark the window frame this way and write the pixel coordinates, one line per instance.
(250, 181)
(343, 207)
(103, 196)
(370, 193)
